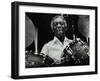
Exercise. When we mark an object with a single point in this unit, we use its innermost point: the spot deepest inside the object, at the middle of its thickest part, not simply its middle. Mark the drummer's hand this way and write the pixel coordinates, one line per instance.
(42, 54)
(77, 39)
(56, 61)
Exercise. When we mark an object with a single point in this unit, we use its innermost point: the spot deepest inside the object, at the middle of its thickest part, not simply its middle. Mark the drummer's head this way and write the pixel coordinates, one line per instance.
(58, 25)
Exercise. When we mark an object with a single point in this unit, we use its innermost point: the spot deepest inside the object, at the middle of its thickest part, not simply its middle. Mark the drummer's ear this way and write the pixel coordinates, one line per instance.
(66, 26)
(52, 29)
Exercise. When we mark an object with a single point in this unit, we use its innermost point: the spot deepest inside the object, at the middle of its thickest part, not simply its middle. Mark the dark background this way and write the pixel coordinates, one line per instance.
(42, 22)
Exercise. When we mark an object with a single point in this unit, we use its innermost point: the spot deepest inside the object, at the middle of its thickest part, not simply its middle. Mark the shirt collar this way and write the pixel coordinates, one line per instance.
(57, 40)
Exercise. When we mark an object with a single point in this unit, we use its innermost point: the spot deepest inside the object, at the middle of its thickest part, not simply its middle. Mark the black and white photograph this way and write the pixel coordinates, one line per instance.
(56, 40)
(51, 40)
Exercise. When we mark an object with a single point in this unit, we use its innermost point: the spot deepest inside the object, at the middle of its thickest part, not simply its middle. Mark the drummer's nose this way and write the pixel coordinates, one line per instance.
(59, 25)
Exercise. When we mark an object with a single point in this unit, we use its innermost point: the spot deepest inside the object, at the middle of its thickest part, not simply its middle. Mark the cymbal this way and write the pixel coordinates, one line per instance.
(30, 31)
(83, 25)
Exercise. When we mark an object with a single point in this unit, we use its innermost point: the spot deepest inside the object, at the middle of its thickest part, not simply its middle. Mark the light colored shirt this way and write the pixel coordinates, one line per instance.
(54, 48)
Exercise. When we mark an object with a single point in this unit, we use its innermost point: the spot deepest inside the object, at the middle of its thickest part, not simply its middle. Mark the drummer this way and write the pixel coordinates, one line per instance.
(55, 47)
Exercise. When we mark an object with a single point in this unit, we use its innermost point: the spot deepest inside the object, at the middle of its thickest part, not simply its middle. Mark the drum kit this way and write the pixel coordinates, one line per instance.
(76, 53)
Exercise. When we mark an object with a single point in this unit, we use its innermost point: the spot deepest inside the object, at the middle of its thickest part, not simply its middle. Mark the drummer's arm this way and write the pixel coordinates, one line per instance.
(44, 51)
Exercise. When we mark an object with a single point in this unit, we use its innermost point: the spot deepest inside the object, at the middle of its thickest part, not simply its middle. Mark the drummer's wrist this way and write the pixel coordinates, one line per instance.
(42, 54)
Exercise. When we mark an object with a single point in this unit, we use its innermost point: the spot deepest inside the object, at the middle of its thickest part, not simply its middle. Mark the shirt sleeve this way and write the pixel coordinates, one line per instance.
(45, 50)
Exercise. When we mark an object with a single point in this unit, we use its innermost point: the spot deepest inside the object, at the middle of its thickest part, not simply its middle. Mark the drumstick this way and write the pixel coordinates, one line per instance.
(69, 50)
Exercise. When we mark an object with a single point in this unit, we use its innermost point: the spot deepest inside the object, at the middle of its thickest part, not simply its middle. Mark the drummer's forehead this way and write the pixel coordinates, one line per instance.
(58, 19)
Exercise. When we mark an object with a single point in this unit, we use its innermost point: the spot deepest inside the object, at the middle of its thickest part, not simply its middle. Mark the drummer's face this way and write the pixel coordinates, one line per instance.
(59, 26)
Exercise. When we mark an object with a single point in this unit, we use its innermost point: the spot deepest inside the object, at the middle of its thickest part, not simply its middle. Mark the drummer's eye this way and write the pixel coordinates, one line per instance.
(58, 23)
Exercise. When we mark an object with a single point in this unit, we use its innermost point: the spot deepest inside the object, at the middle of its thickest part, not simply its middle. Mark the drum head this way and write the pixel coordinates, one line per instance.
(34, 61)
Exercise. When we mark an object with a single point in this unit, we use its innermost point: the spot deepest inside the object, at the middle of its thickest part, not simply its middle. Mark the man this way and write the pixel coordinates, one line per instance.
(54, 49)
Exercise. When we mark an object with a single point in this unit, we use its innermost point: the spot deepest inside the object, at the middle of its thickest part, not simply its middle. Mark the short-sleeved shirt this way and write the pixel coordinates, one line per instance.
(54, 48)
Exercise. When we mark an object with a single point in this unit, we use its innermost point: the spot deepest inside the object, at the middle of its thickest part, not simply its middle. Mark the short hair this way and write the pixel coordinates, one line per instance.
(58, 16)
